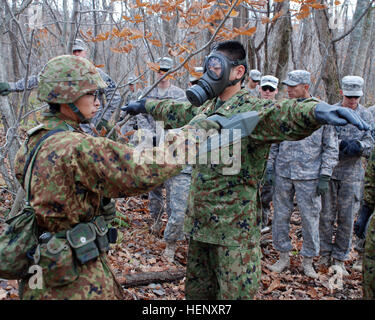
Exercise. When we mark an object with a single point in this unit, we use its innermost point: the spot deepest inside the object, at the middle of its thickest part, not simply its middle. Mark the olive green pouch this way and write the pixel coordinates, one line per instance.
(82, 240)
(101, 233)
(57, 262)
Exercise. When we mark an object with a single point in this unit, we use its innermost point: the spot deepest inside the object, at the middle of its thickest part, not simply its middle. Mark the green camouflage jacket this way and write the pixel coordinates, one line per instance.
(225, 209)
(369, 254)
(71, 172)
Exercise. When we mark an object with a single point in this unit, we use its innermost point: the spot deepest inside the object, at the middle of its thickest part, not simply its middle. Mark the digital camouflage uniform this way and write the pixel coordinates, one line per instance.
(223, 217)
(71, 173)
(342, 200)
(369, 254)
(298, 165)
(109, 91)
(177, 188)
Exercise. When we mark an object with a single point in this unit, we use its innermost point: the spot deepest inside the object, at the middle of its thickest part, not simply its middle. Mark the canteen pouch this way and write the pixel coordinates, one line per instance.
(101, 233)
(57, 262)
(82, 239)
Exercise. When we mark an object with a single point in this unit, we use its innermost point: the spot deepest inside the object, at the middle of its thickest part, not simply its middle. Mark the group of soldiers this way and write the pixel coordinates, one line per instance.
(222, 215)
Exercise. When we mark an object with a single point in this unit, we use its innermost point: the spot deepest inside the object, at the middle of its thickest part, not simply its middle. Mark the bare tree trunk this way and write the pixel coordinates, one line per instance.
(329, 72)
(74, 25)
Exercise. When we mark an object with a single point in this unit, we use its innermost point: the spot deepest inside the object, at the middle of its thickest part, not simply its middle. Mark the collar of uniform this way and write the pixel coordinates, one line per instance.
(58, 120)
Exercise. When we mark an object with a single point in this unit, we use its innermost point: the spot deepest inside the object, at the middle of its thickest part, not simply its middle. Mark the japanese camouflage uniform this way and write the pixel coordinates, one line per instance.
(109, 91)
(298, 165)
(224, 211)
(342, 201)
(72, 171)
(369, 254)
(177, 188)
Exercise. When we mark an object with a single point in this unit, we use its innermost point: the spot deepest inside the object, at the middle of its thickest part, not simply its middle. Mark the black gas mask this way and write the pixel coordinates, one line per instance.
(215, 78)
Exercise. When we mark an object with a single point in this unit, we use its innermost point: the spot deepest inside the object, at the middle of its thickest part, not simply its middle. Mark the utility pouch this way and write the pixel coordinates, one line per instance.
(101, 233)
(82, 240)
(57, 262)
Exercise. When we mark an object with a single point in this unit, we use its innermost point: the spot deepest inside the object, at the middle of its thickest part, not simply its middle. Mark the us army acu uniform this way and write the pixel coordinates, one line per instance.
(224, 211)
(71, 173)
(177, 188)
(341, 202)
(369, 252)
(255, 76)
(109, 91)
(372, 111)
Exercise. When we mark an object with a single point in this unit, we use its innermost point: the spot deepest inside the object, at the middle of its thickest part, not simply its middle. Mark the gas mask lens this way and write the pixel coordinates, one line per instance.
(214, 67)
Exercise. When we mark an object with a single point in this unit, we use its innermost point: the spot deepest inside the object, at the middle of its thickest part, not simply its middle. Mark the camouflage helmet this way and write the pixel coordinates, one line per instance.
(66, 78)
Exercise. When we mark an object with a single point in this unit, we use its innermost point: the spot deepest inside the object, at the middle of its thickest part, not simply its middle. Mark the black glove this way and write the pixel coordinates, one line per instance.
(135, 107)
(338, 116)
(350, 148)
(4, 88)
(360, 224)
(323, 184)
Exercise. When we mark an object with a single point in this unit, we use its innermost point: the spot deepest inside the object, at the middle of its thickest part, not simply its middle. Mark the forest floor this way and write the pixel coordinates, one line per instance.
(140, 251)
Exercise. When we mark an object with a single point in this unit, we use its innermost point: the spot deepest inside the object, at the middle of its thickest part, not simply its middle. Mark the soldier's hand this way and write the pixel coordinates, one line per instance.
(4, 88)
(351, 147)
(135, 107)
(270, 176)
(360, 224)
(338, 116)
(323, 184)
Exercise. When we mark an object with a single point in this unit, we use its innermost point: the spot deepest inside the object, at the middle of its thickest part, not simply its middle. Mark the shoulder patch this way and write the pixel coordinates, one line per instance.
(35, 129)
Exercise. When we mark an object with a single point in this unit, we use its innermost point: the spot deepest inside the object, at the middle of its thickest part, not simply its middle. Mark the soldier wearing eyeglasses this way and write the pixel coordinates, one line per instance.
(342, 201)
(301, 169)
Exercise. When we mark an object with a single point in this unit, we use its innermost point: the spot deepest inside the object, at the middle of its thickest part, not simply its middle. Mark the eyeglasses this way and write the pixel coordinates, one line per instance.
(352, 97)
(96, 94)
(256, 81)
(268, 88)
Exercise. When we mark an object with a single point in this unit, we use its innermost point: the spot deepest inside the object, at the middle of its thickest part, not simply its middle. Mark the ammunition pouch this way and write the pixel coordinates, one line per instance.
(101, 233)
(57, 262)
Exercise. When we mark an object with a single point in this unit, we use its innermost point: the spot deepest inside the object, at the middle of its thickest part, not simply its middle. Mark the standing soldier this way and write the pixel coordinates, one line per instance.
(133, 94)
(111, 97)
(267, 90)
(302, 168)
(223, 216)
(177, 188)
(72, 172)
(252, 84)
(341, 203)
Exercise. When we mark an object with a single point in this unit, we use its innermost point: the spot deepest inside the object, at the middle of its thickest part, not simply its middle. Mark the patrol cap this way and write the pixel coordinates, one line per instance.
(255, 75)
(296, 77)
(165, 63)
(197, 70)
(352, 86)
(132, 80)
(269, 80)
(79, 45)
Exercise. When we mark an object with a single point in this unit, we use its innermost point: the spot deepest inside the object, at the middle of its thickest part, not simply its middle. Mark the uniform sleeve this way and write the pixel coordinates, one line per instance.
(330, 153)
(286, 120)
(175, 114)
(117, 170)
(369, 188)
(32, 82)
(367, 142)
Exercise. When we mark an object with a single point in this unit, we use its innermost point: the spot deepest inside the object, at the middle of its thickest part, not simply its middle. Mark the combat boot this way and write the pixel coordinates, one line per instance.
(282, 263)
(325, 260)
(170, 250)
(308, 269)
(340, 264)
(358, 264)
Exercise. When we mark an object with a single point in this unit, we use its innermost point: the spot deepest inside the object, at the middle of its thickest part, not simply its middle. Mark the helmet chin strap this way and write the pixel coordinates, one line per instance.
(78, 113)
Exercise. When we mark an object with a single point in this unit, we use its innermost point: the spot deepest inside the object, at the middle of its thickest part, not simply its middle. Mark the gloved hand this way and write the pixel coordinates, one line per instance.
(108, 209)
(202, 122)
(4, 88)
(338, 116)
(323, 184)
(270, 176)
(135, 107)
(360, 224)
(350, 148)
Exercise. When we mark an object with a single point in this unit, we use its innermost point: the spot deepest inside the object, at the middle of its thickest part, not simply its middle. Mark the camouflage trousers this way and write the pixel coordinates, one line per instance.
(309, 205)
(177, 192)
(369, 262)
(340, 204)
(216, 272)
(266, 198)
